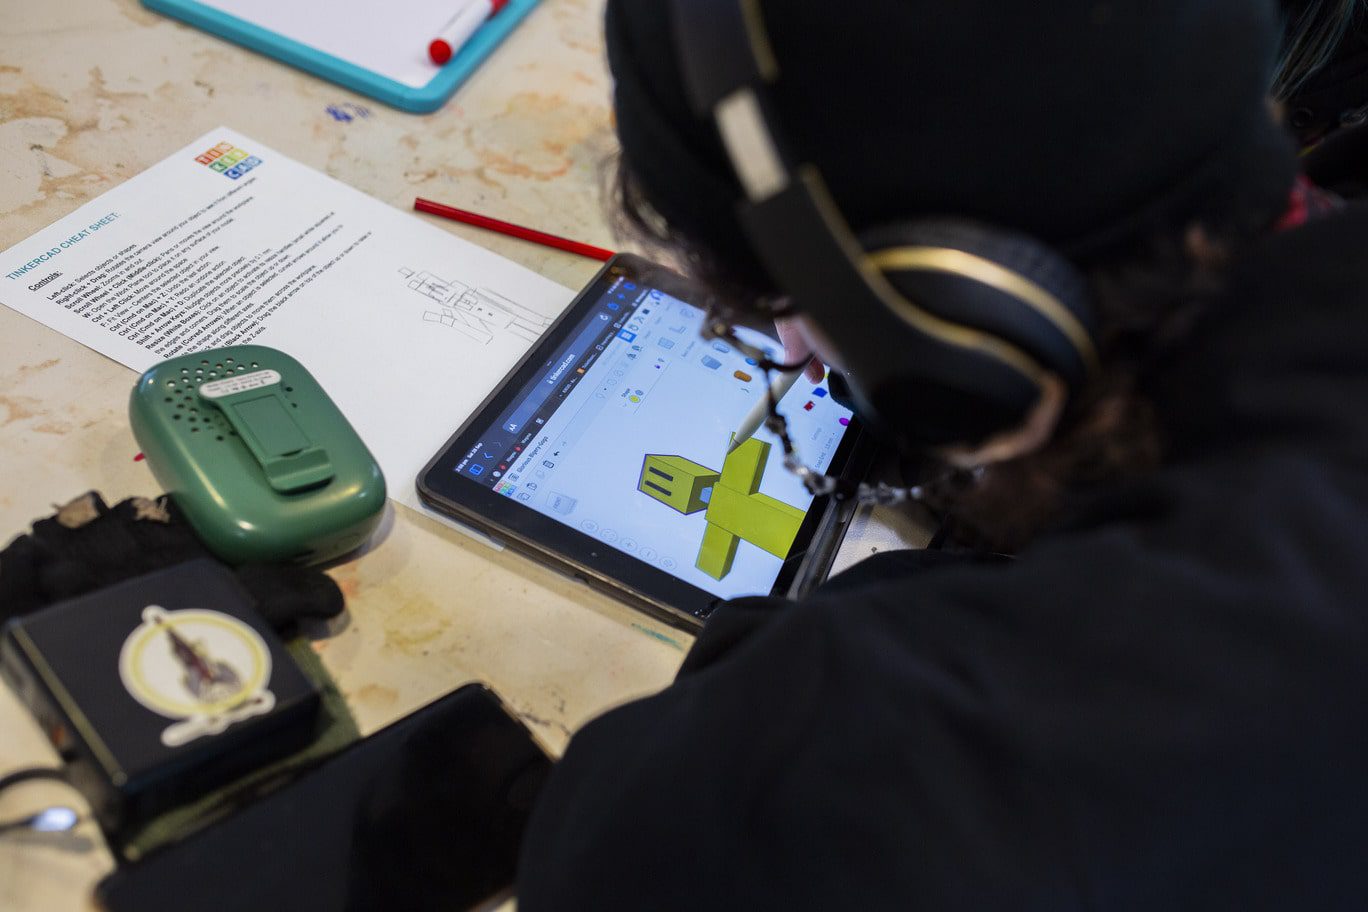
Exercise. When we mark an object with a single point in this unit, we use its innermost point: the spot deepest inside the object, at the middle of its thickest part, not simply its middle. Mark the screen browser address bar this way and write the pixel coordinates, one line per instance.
(569, 355)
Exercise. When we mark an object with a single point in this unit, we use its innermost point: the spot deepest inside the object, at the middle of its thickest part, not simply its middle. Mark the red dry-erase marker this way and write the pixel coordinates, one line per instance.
(460, 27)
(512, 230)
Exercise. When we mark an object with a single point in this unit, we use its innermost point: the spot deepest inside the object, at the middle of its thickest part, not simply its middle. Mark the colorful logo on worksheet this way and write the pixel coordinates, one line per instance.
(228, 160)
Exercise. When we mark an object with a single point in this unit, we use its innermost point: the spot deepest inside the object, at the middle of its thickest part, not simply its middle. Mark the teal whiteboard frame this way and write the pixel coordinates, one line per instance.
(334, 69)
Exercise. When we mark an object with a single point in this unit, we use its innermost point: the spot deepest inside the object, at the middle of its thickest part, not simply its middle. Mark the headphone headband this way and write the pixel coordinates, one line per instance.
(729, 49)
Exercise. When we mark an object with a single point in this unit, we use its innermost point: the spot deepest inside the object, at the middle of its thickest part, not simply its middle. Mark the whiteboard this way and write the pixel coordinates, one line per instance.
(377, 49)
(390, 39)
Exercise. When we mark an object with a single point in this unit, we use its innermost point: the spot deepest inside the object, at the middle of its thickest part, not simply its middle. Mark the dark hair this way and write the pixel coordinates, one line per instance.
(1312, 31)
(1148, 297)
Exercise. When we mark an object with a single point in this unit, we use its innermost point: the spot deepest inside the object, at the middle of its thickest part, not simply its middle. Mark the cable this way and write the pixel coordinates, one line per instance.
(720, 325)
(31, 773)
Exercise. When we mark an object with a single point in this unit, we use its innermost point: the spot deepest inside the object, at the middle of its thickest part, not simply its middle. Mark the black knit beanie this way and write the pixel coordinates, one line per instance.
(1086, 123)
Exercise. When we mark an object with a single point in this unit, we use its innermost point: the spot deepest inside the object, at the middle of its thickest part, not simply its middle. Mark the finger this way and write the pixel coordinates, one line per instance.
(795, 345)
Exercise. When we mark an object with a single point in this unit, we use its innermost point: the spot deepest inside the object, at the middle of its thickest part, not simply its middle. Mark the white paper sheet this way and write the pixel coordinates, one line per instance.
(407, 327)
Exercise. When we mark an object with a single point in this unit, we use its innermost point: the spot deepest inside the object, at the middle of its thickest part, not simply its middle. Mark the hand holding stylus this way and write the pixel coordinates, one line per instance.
(756, 416)
(796, 347)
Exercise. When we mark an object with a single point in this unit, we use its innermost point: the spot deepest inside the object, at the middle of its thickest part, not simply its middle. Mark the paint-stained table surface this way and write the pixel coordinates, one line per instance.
(94, 91)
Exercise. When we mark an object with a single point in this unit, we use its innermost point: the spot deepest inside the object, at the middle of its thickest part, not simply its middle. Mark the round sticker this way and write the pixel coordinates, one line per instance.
(203, 668)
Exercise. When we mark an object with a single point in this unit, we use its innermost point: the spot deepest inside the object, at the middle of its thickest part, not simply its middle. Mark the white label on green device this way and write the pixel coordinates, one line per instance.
(217, 389)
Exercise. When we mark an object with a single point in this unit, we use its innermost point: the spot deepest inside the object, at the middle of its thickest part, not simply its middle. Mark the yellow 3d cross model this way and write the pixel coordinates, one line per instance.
(736, 511)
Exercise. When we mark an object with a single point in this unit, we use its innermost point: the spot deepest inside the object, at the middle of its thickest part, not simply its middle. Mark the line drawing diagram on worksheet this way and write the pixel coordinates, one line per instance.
(479, 313)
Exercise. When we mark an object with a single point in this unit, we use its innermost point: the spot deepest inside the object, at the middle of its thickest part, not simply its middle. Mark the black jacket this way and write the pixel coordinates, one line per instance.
(1162, 706)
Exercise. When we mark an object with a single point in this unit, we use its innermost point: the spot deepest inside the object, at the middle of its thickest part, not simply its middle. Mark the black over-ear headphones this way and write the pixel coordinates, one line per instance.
(948, 327)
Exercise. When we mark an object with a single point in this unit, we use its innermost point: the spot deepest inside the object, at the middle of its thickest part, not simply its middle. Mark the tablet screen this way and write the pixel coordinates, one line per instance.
(621, 431)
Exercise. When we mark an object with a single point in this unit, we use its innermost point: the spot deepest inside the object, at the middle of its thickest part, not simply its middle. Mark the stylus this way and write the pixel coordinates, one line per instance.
(756, 416)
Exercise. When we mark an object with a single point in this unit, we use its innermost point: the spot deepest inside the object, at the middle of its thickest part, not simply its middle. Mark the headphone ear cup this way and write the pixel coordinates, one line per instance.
(973, 317)
(1009, 286)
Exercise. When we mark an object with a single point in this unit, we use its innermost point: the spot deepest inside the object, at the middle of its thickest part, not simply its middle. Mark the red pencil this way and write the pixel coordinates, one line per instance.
(517, 231)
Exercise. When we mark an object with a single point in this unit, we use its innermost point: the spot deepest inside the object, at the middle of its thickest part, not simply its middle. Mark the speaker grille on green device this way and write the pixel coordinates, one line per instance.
(182, 401)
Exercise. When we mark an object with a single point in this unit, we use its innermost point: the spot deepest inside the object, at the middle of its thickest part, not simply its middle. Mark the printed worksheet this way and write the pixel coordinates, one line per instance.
(227, 242)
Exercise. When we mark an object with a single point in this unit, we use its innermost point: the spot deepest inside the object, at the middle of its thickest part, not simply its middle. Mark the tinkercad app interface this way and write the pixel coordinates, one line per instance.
(623, 433)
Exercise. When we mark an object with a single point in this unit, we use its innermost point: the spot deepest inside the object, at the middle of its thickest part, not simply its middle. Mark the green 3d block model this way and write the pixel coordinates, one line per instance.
(736, 511)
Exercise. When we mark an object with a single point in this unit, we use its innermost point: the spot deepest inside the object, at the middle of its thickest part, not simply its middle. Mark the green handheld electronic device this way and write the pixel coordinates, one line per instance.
(261, 462)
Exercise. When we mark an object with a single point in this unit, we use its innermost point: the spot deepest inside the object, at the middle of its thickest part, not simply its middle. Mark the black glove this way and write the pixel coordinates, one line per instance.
(87, 545)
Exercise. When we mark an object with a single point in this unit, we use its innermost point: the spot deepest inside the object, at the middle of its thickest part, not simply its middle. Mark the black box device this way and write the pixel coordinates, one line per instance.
(158, 689)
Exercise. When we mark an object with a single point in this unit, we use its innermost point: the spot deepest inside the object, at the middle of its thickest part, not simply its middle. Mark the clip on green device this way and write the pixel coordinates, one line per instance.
(261, 462)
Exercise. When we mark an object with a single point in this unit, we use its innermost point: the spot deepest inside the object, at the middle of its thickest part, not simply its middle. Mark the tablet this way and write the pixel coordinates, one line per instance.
(605, 455)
